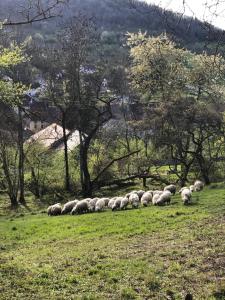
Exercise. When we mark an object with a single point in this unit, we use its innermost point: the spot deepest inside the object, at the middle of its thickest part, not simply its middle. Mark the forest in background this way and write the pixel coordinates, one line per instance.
(116, 18)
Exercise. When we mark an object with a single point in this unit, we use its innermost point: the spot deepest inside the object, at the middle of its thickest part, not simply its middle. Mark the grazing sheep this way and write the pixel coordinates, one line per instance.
(67, 208)
(198, 185)
(87, 199)
(124, 203)
(192, 188)
(111, 202)
(95, 199)
(92, 204)
(155, 199)
(157, 192)
(146, 198)
(171, 188)
(49, 210)
(81, 207)
(128, 195)
(54, 210)
(140, 193)
(100, 204)
(165, 197)
(134, 200)
(186, 195)
(106, 201)
(117, 203)
(150, 191)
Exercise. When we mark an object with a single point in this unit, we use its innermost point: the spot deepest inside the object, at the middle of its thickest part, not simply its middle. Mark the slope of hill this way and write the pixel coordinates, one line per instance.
(147, 253)
(116, 17)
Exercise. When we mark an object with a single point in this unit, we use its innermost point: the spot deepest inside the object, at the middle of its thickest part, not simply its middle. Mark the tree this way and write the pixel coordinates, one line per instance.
(56, 92)
(38, 161)
(84, 76)
(9, 161)
(186, 95)
(88, 66)
(12, 93)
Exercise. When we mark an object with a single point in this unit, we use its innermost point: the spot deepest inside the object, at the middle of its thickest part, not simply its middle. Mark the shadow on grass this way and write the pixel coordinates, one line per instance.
(192, 204)
(219, 295)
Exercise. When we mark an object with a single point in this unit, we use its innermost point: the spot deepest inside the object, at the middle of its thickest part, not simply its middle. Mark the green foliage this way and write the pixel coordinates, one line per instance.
(11, 92)
(10, 153)
(165, 71)
(39, 168)
(11, 56)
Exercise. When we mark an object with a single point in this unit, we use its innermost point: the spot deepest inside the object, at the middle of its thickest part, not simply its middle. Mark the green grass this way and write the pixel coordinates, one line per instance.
(148, 253)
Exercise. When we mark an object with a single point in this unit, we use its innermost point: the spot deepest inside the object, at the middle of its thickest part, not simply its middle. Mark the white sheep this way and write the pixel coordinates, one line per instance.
(164, 198)
(100, 204)
(117, 203)
(92, 203)
(157, 192)
(146, 198)
(198, 185)
(49, 209)
(155, 198)
(68, 207)
(134, 200)
(128, 194)
(192, 188)
(88, 199)
(186, 195)
(151, 192)
(111, 202)
(54, 210)
(171, 188)
(124, 203)
(106, 201)
(81, 207)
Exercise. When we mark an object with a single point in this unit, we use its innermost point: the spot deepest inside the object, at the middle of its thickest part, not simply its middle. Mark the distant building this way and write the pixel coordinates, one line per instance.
(39, 115)
(51, 137)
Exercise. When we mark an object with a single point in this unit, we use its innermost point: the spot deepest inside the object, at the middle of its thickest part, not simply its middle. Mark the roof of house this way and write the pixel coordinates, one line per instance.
(47, 136)
(73, 140)
(51, 137)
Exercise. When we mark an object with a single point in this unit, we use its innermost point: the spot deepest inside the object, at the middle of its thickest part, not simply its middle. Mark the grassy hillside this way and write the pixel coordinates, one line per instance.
(148, 253)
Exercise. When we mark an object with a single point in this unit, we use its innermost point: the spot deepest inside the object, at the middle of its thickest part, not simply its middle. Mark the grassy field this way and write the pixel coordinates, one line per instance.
(148, 253)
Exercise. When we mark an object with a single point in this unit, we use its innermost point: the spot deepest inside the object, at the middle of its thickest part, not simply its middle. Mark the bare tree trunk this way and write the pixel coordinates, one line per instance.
(66, 158)
(203, 168)
(144, 182)
(184, 174)
(80, 160)
(11, 190)
(87, 185)
(21, 157)
(36, 190)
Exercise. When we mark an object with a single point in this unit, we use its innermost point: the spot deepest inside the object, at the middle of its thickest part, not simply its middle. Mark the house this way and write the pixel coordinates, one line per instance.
(51, 137)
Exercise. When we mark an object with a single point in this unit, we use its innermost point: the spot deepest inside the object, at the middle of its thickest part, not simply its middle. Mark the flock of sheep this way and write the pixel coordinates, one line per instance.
(134, 198)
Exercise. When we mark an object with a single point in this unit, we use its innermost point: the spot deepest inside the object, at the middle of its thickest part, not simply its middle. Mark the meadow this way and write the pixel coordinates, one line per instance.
(147, 253)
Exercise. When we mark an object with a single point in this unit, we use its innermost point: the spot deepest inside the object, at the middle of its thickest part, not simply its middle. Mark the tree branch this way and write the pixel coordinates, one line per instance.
(40, 13)
(112, 162)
